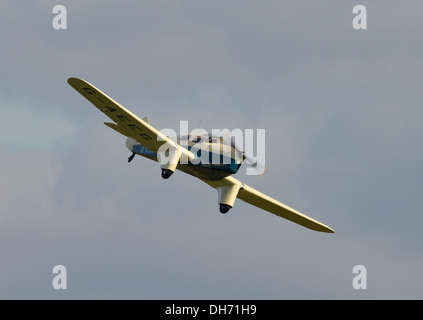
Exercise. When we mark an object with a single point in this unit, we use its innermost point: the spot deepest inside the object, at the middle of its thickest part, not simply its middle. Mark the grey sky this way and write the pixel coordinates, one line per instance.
(342, 113)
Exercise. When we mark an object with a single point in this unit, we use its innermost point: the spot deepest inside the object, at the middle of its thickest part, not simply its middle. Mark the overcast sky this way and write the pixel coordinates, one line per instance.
(343, 117)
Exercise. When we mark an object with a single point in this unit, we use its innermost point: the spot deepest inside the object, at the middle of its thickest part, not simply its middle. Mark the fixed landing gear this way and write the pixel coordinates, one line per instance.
(131, 157)
(166, 173)
(223, 208)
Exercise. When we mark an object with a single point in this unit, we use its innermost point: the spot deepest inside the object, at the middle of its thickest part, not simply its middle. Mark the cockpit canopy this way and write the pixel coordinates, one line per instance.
(201, 137)
(207, 142)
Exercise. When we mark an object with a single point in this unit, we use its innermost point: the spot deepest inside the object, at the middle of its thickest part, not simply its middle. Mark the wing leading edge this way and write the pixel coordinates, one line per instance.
(262, 201)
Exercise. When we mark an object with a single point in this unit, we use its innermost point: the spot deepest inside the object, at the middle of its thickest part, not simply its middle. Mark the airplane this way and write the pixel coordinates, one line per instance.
(146, 141)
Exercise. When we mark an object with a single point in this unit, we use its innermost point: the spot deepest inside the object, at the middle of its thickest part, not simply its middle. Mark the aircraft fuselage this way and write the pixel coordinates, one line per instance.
(214, 159)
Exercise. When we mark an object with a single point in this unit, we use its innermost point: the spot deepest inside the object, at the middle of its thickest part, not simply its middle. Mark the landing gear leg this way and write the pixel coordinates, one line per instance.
(131, 157)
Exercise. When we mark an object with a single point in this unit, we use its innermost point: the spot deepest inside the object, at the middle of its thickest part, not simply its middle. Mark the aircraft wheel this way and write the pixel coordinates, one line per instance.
(223, 208)
(166, 173)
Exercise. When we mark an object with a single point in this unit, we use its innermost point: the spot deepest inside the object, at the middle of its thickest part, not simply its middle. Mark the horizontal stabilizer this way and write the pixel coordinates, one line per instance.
(115, 127)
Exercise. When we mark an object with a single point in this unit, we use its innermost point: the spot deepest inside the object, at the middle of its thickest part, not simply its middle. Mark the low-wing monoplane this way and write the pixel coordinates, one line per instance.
(146, 141)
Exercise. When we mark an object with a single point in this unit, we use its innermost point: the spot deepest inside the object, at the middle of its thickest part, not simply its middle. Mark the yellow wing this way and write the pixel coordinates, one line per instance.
(260, 200)
(126, 122)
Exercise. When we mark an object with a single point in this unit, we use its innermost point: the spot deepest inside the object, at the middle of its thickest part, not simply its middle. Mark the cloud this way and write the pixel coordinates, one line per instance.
(29, 129)
(342, 118)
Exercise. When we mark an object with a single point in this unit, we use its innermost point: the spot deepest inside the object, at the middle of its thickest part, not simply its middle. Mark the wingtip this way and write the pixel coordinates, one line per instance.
(329, 230)
(75, 80)
(71, 80)
(322, 228)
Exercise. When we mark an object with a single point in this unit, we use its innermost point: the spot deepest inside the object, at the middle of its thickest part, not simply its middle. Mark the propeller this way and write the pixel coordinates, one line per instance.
(252, 162)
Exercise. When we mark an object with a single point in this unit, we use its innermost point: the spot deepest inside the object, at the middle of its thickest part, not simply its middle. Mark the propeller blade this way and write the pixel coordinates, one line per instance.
(248, 160)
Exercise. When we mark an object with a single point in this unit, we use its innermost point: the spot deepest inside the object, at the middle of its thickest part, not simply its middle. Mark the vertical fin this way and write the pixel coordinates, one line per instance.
(146, 120)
